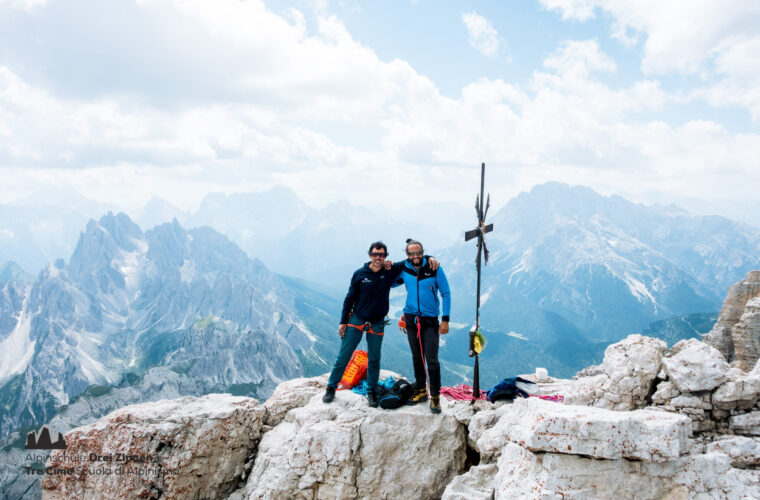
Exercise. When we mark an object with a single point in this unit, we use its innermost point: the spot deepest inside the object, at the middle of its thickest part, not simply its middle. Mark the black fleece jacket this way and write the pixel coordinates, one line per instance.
(367, 295)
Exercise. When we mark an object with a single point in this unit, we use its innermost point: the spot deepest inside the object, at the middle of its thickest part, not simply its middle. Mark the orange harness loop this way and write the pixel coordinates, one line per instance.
(366, 327)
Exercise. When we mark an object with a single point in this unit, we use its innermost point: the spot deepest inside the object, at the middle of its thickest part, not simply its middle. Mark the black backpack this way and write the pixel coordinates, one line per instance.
(511, 387)
(396, 396)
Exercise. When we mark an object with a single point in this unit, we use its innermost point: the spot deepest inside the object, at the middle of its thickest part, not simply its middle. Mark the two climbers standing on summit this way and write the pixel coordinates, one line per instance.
(366, 306)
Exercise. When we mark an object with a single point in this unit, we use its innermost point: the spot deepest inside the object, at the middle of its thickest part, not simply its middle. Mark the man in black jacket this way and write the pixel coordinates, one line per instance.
(364, 310)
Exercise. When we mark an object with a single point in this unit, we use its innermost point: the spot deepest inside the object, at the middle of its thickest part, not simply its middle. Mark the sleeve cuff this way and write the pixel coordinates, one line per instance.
(445, 318)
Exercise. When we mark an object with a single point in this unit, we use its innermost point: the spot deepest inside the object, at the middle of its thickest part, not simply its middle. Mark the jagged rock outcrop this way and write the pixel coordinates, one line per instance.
(693, 432)
(348, 450)
(746, 334)
(182, 448)
(694, 366)
(523, 474)
(743, 451)
(624, 379)
(476, 484)
(736, 334)
(542, 426)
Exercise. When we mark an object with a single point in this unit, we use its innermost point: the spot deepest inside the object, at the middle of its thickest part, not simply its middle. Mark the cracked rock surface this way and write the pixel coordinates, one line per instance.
(183, 448)
(347, 450)
(645, 423)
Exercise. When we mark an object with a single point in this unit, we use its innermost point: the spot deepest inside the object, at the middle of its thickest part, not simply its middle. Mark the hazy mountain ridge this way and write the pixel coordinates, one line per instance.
(570, 269)
(129, 300)
(274, 226)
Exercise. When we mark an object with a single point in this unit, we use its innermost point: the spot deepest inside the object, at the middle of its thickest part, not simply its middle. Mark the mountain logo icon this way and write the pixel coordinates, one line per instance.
(42, 441)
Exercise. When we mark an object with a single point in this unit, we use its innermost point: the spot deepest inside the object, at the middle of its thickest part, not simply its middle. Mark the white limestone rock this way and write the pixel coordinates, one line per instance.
(743, 451)
(691, 401)
(724, 336)
(545, 476)
(589, 391)
(523, 474)
(666, 391)
(642, 434)
(696, 366)
(292, 394)
(476, 483)
(182, 448)
(628, 372)
(747, 424)
(746, 336)
(551, 427)
(741, 390)
(480, 424)
(464, 411)
(348, 450)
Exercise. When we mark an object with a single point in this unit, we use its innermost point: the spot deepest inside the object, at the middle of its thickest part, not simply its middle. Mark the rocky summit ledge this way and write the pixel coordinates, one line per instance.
(647, 422)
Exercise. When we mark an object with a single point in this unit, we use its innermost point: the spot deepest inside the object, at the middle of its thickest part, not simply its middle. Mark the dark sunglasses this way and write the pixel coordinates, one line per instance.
(377, 254)
(414, 254)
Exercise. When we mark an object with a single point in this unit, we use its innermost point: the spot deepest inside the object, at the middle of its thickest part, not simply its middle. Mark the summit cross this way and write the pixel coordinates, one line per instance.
(479, 232)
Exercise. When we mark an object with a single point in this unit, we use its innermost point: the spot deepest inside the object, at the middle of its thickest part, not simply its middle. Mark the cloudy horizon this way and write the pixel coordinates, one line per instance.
(390, 104)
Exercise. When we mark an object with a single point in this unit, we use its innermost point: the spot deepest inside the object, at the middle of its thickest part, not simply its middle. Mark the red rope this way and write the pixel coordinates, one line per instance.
(422, 353)
(461, 392)
(464, 393)
(556, 398)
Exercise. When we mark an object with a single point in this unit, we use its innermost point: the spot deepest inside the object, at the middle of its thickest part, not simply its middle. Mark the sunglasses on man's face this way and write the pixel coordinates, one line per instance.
(377, 254)
(414, 254)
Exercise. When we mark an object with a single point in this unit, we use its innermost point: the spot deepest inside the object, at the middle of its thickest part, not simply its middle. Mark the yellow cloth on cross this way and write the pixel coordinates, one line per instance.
(478, 341)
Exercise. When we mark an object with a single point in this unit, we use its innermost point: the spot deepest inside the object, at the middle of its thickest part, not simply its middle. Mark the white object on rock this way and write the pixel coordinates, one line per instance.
(696, 366)
(542, 375)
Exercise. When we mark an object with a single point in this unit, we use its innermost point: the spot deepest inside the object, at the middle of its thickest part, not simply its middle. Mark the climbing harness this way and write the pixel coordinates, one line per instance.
(366, 327)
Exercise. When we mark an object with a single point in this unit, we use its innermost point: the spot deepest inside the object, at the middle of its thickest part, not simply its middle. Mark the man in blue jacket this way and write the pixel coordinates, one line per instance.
(423, 284)
(364, 310)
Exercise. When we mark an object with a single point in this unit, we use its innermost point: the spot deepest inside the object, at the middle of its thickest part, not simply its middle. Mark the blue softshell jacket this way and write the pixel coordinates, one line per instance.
(422, 290)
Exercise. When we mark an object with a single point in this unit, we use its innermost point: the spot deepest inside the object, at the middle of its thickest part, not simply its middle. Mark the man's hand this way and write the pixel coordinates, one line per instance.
(444, 328)
(433, 263)
(342, 329)
(387, 264)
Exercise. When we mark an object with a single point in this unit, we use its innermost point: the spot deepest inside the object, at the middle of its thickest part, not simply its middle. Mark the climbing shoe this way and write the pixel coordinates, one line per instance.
(329, 395)
(372, 398)
(419, 396)
(435, 404)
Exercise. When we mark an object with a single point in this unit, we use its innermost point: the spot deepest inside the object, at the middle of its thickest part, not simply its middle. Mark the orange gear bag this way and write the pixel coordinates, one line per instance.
(355, 370)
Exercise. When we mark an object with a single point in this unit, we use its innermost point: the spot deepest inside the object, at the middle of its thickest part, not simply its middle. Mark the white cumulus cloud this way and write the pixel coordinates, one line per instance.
(231, 96)
(717, 42)
(481, 34)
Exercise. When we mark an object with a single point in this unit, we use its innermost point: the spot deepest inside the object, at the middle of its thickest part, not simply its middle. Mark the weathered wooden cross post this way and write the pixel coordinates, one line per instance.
(479, 232)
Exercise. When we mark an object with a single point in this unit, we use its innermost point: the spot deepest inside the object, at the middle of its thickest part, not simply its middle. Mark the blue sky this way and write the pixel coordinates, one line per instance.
(395, 100)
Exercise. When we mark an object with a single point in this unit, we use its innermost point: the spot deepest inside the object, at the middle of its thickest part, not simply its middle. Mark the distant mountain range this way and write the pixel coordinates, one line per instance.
(128, 301)
(571, 270)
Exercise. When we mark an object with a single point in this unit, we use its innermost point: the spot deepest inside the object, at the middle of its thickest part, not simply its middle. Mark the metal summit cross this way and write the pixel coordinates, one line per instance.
(479, 232)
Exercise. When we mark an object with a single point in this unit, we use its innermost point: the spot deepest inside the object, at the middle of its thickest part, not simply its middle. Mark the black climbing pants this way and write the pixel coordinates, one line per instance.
(429, 339)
